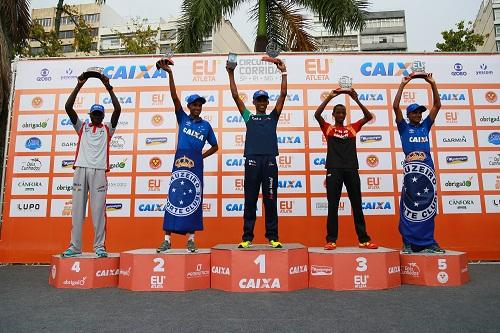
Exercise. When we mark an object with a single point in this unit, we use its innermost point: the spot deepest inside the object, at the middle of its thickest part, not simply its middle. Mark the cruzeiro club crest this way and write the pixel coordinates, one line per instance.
(419, 192)
(184, 193)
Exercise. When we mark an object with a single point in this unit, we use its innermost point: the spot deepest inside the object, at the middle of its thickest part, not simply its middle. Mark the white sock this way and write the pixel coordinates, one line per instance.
(167, 238)
(191, 237)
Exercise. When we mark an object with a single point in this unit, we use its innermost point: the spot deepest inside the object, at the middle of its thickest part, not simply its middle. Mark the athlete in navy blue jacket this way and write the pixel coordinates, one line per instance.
(261, 149)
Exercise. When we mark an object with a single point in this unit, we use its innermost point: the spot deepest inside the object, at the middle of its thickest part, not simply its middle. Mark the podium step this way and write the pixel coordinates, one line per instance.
(84, 272)
(425, 269)
(260, 268)
(352, 268)
(177, 270)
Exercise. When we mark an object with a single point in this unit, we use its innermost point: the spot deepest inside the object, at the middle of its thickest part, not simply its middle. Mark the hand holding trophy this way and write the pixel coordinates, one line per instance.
(166, 61)
(418, 70)
(272, 51)
(345, 83)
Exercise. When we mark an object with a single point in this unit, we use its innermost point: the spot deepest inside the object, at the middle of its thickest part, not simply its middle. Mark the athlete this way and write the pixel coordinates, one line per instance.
(184, 213)
(91, 165)
(342, 167)
(418, 204)
(261, 149)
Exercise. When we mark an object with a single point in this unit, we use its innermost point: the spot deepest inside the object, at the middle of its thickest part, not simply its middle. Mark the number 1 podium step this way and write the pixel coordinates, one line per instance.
(176, 270)
(84, 272)
(352, 268)
(260, 268)
(426, 269)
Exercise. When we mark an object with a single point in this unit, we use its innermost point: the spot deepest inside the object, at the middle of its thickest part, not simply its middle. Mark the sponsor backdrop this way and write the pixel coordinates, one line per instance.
(465, 145)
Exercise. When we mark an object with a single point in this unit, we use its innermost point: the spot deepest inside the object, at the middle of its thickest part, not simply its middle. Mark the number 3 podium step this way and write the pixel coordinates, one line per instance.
(352, 268)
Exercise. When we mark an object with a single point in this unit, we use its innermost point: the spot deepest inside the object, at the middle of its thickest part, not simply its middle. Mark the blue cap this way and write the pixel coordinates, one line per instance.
(260, 93)
(415, 107)
(195, 97)
(97, 108)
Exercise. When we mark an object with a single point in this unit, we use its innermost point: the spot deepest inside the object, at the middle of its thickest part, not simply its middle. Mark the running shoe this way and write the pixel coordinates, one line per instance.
(330, 246)
(368, 245)
(245, 245)
(69, 253)
(275, 244)
(101, 253)
(191, 246)
(164, 247)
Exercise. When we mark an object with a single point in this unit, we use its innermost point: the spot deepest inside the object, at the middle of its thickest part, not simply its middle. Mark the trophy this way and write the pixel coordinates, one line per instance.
(272, 51)
(345, 83)
(418, 70)
(232, 60)
(93, 72)
(167, 57)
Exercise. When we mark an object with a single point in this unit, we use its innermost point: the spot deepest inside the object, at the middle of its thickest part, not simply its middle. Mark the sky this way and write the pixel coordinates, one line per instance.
(425, 19)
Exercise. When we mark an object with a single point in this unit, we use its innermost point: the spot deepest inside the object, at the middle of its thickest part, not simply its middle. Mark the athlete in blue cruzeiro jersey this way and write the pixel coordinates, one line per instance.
(418, 206)
(184, 213)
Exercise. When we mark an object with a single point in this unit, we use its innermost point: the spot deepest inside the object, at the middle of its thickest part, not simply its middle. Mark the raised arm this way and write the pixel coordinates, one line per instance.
(367, 116)
(117, 109)
(173, 92)
(436, 100)
(397, 99)
(234, 90)
(321, 108)
(73, 116)
(283, 91)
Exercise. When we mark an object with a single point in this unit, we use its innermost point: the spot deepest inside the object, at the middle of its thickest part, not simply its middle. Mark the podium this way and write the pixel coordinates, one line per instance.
(84, 272)
(430, 269)
(350, 268)
(176, 270)
(260, 268)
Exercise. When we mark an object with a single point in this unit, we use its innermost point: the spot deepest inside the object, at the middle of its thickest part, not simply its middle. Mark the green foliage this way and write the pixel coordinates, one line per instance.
(140, 38)
(462, 40)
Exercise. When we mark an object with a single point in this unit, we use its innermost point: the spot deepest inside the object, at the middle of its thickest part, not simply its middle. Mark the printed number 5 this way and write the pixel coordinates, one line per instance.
(442, 264)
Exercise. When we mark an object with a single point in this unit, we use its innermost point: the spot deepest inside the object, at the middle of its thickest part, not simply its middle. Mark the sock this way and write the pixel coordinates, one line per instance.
(167, 238)
(191, 236)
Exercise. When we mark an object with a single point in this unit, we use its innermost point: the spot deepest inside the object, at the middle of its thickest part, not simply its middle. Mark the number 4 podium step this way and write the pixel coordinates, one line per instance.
(85, 271)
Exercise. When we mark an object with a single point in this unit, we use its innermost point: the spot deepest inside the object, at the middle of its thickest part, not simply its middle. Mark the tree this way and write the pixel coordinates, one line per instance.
(462, 40)
(50, 43)
(141, 39)
(60, 10)
(279, 21)
(15, 20)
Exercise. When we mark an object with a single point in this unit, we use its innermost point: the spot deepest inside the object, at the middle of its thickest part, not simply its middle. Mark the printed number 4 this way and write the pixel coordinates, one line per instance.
(159, 265)
(76, 266)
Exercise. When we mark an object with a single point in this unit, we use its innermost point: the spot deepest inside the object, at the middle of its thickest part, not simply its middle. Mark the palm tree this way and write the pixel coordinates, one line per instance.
(60, 10)
(279, 21)
(15, 21)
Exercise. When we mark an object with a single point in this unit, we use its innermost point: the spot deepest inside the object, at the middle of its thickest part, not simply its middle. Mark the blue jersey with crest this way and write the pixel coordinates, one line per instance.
(193, 134)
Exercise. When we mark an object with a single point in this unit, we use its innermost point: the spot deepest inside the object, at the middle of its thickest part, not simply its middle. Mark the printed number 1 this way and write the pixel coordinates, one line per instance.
(159, 265)
(261, 261)
(76, 266)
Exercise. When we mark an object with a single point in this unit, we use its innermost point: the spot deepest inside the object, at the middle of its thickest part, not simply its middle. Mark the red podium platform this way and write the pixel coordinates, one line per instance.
(350, 268)
(176, 270)
(84, 272)
(259, 268)
(425, 269)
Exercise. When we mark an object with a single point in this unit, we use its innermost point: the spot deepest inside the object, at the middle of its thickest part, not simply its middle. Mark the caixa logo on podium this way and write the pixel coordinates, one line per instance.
(385, 69)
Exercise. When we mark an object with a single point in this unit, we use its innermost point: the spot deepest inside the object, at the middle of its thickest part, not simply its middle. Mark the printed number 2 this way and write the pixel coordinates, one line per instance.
(362, 264)
(261, 261)
(76, 266)
(159, 265)
(442, 264)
